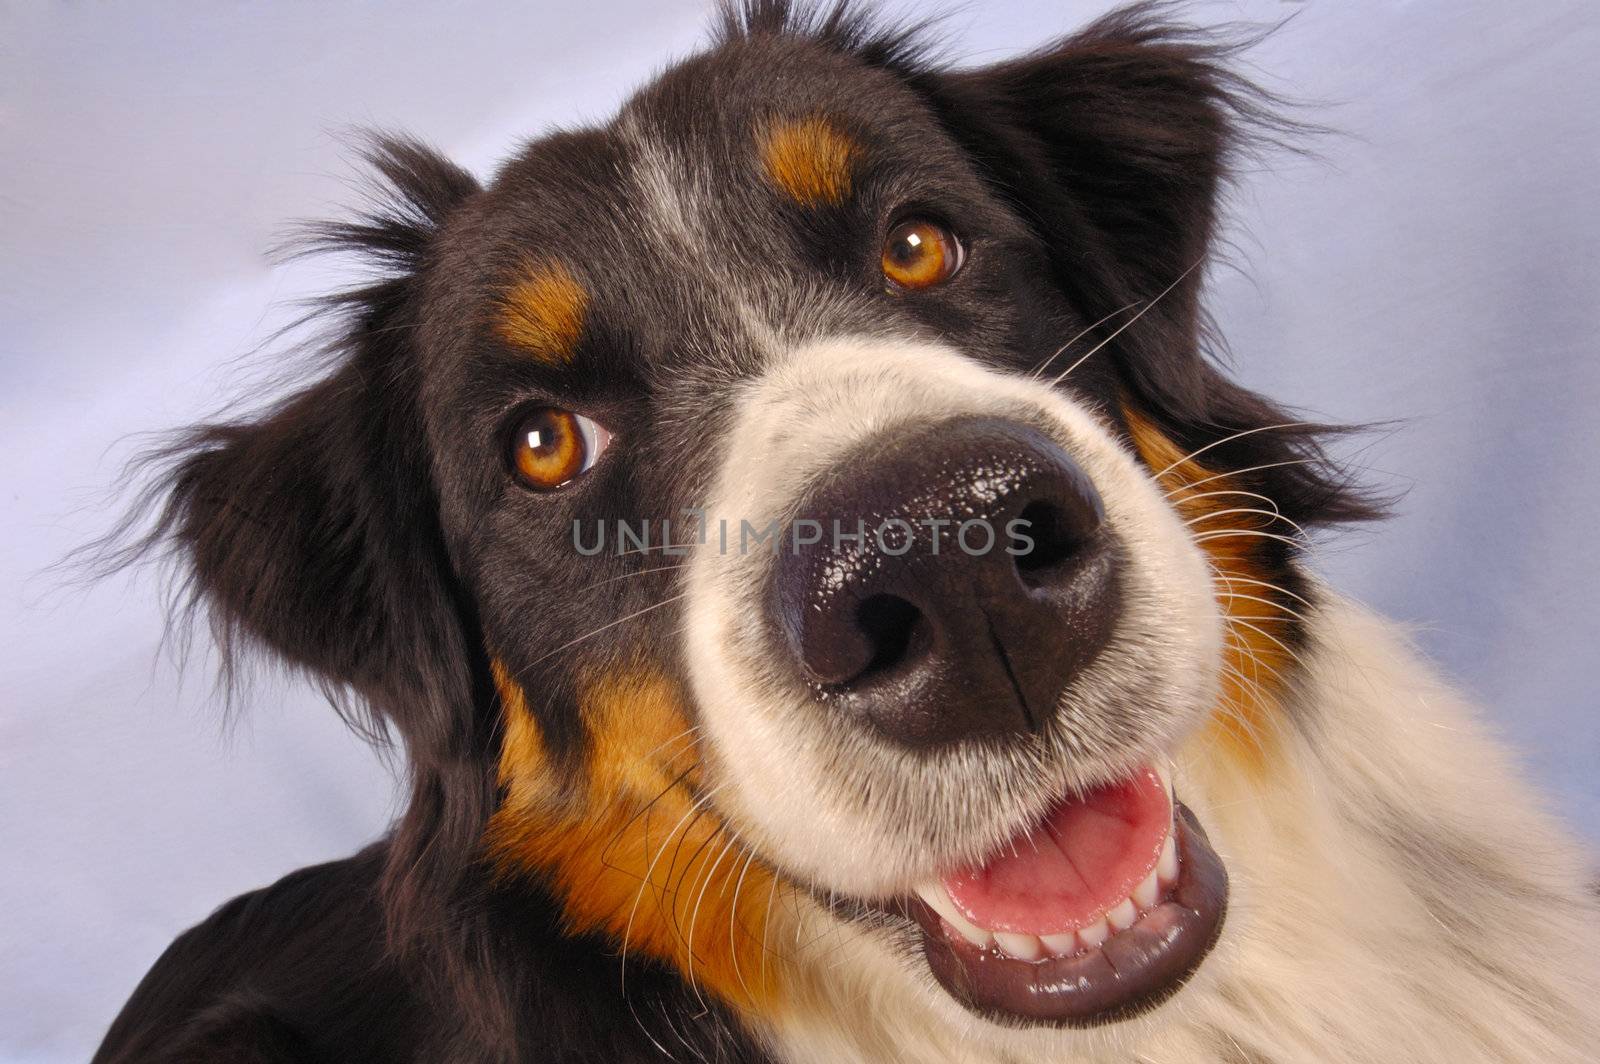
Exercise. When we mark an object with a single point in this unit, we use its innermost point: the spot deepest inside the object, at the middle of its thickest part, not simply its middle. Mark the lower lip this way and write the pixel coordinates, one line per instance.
(1131, 972)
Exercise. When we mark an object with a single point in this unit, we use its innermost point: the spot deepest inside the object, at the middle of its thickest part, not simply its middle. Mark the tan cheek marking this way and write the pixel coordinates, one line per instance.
(1256, 661)
(639, 859)
(543, 312)
(809, 159)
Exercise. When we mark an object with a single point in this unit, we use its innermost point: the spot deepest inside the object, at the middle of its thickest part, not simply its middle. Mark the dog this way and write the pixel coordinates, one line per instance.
(833, 609)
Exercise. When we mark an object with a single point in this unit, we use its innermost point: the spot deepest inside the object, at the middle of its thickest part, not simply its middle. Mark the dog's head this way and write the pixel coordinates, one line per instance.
(802, 506)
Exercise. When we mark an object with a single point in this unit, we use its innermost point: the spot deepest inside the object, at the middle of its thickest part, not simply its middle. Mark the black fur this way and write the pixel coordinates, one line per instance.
(364, 530)
(300, 972)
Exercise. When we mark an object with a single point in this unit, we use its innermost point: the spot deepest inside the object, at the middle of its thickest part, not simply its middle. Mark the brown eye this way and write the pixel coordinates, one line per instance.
(552, 447)
(919, 253)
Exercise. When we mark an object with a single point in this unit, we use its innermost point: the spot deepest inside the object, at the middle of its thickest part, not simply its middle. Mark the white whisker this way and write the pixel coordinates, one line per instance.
(733, 921)
(633, 573)
(1267, 602)
(1039, 369)
(1228, 533)
(694, 915)
(1268, 635)
(590, 635)
(695, 808)
(1125, 325)
(1246, 510)
(1235, 472)
(1240, 578)
(1271, 503)
(1229, 439)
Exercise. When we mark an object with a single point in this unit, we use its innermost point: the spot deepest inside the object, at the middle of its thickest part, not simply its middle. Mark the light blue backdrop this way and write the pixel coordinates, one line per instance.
(1440, 266)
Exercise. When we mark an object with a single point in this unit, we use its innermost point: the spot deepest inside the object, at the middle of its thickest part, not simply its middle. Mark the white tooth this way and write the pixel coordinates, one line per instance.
(1062, 945)
(1146, 894)
(938, 900)
(1122, 917)
(1095, 934)
(1167, 866)
(1022, 947)
(975, 935)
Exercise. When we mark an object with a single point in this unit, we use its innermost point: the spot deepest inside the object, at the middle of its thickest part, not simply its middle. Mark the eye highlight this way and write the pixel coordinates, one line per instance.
(552, 447)
(919, 253)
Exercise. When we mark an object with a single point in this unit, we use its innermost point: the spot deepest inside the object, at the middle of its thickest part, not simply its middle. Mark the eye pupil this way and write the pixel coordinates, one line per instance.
(906, 250)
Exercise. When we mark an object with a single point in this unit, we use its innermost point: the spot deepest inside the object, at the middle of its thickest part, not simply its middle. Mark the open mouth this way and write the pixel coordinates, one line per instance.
(1098, 912)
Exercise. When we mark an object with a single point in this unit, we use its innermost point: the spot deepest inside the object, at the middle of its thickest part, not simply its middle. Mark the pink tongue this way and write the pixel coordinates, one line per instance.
(1089, 853)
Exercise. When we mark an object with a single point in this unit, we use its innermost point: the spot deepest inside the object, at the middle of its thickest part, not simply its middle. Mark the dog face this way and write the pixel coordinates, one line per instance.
(803, 502)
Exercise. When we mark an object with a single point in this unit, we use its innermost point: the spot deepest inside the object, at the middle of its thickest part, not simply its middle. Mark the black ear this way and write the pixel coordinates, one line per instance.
(312, 530)
(1116, 140)
(1115, 144)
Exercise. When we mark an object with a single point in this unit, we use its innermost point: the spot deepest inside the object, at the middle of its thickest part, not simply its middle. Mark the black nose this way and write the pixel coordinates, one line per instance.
(959, 577)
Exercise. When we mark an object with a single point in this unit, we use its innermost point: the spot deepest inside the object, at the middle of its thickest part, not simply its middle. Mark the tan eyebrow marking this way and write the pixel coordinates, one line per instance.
(543, 312)
(810, 159)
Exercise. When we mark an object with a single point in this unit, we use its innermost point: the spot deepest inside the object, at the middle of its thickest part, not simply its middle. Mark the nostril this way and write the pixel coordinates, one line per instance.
(1054, 540)
(892, 627)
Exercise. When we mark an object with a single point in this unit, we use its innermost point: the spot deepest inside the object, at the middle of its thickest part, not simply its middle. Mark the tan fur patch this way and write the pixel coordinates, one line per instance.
(641, 857)
(1232, 527)
(543, 312)
(810, 159)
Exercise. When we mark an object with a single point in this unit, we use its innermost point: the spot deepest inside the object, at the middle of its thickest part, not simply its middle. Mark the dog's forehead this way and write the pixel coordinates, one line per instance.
(722, 105)
(692, 212)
